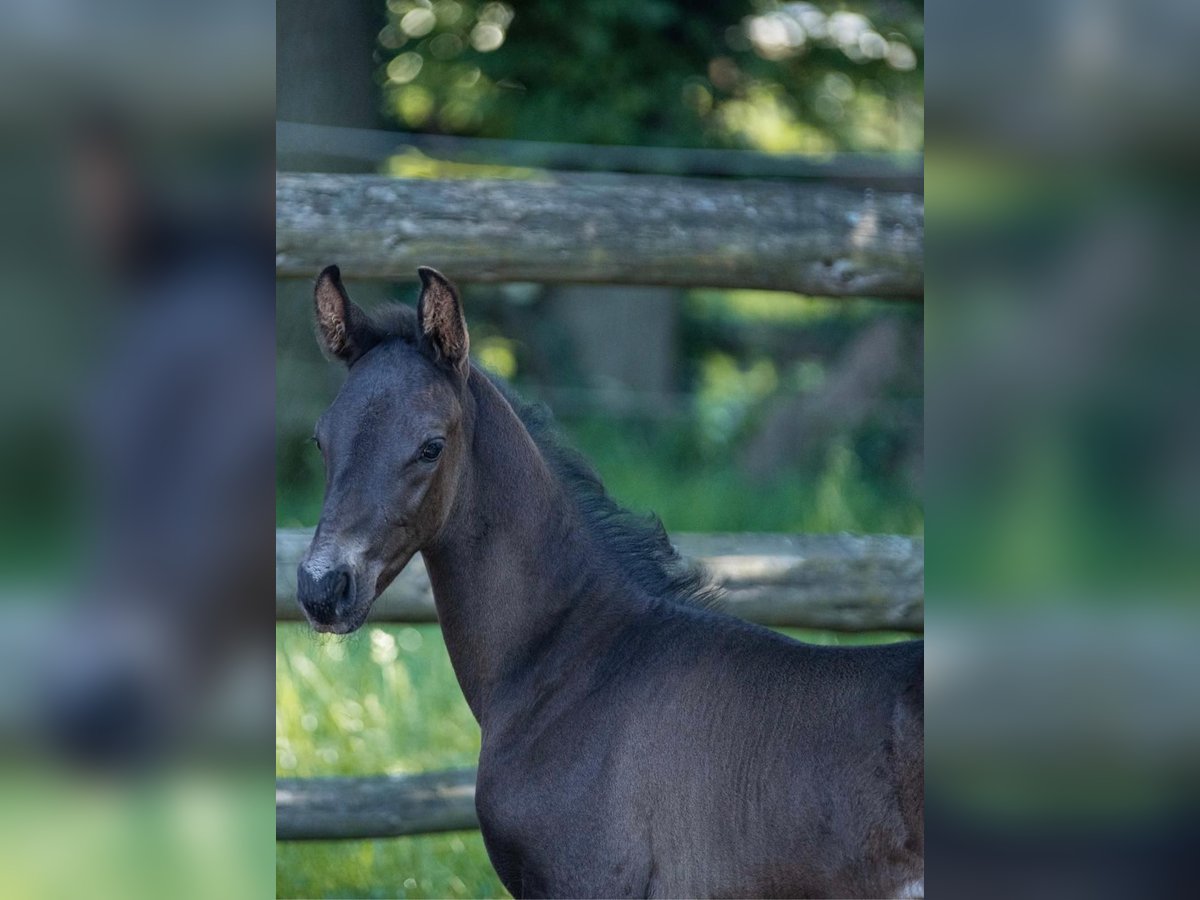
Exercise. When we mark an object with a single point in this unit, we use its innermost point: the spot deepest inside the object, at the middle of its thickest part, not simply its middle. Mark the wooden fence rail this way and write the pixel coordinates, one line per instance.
(831, 582)
(375, 806)
(811, 238)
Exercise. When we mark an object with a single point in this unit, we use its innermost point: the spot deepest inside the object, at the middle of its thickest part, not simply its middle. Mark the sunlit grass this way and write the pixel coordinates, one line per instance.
(444, 865)
(382, 701)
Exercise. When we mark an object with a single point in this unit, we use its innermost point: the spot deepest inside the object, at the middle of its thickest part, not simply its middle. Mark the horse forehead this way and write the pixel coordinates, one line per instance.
(400, 384)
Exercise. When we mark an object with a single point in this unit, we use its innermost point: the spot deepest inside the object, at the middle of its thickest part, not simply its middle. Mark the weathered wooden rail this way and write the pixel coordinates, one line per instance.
(374, 806)
(812, 238)
(830, 582)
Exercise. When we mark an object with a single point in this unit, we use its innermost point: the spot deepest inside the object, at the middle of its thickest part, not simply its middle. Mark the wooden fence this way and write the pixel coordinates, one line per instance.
(374, 806)
(610, 229)
(813, 237)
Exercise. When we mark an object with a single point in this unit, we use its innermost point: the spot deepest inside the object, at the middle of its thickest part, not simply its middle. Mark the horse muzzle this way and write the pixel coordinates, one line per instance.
(331, 599)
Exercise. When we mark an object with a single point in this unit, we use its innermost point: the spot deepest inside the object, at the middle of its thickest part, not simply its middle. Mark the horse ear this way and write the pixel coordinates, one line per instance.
(443, 325)
(343, 330)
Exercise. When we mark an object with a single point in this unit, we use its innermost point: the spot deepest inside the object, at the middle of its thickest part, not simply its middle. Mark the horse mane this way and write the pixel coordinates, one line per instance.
(395, 321)
(639, 543)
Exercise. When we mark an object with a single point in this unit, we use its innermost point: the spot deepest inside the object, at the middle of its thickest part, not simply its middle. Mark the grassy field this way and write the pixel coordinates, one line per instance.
(384, 700)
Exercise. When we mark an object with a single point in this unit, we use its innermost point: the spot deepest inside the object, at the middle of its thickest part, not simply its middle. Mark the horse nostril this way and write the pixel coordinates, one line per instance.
(341, 587)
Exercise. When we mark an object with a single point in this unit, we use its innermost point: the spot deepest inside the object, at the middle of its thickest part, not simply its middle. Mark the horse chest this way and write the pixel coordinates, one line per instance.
(552, 831)
(538, 804)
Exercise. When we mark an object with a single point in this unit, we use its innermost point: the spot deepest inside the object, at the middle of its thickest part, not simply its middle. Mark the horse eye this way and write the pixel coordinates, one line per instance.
(316, 440)
(432, 450)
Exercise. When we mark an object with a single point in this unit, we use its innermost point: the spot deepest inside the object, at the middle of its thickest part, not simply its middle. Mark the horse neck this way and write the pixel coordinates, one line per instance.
(510, 566)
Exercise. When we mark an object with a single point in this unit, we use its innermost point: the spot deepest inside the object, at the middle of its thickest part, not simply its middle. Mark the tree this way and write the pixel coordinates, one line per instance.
(762, 74)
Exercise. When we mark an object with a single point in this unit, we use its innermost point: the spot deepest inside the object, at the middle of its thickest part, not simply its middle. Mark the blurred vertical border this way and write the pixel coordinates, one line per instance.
(136, 448)
(1063, 465)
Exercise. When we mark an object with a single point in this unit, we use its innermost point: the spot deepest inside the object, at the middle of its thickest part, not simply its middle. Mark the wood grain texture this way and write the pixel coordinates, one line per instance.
(374, 806)
(815, 239)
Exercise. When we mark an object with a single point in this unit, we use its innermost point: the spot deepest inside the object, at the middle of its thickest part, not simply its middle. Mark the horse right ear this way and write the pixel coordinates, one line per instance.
(443, 326)
(344, 331)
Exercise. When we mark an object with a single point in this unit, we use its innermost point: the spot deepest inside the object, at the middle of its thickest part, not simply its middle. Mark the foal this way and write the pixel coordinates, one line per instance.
(636, 742)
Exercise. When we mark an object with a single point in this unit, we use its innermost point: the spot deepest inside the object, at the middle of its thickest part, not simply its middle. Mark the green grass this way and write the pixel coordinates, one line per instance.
(453, 865)
(382, 701)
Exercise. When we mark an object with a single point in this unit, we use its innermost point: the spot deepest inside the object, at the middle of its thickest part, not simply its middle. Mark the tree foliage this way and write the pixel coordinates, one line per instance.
(760, 74)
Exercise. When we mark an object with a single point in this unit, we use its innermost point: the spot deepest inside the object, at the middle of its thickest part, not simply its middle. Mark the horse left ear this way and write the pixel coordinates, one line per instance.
(439, 312)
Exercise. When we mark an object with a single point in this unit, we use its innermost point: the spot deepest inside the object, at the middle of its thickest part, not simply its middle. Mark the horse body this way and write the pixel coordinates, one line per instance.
(637, 746)
(733, 771)
(634, 741)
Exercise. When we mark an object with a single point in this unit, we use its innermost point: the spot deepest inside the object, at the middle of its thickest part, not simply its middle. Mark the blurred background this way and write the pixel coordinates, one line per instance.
(720, 410)
(1063, 466)
(136, 451)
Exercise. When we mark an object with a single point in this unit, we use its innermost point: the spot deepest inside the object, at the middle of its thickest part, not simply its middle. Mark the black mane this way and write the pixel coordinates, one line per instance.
(640, 543)
(395, 321)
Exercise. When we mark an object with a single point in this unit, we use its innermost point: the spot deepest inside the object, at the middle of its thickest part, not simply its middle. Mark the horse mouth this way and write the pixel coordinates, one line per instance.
(336, 627)
(347, 623)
